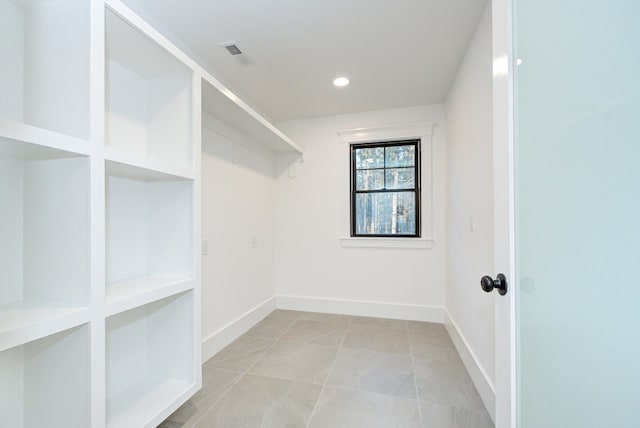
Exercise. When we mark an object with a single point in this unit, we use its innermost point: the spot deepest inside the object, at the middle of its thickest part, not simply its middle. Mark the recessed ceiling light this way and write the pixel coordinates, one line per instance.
(340, 81)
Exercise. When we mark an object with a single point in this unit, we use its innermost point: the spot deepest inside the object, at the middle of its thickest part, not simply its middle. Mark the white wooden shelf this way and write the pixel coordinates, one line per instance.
(24, 321)
(10, 130)
(146, 404)
(138, 167)
(150, 361)
(223, 104)
(128, 294)
(37, 87)
(44, 383)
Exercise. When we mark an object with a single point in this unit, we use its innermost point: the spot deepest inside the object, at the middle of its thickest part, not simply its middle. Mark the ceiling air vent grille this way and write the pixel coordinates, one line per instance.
(233, 49)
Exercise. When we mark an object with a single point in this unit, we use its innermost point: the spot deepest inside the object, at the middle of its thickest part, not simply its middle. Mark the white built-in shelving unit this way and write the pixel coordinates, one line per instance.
(100, 124)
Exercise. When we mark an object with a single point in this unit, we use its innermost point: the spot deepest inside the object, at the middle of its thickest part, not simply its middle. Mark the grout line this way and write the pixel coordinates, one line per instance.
(244, 373)
(413, 369)
(220, 398)
(264, 417)
(324, 385)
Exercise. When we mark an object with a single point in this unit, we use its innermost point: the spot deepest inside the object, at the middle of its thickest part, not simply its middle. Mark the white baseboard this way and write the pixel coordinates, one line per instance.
(483, 384)
(362, 308)
(215, 342)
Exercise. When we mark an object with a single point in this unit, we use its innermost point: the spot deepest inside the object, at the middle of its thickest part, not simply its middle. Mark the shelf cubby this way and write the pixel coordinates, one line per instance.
(149, 235)
(148, 96)
(149, 361)
(45, 383)
(44, 64)
(44, 250)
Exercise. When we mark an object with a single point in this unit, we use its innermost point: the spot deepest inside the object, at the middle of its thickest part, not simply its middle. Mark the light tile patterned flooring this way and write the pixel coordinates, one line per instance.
(310, 370)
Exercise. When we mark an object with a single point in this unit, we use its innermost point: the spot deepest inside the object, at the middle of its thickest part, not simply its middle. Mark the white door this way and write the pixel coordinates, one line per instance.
(567, 212)
(504, 259)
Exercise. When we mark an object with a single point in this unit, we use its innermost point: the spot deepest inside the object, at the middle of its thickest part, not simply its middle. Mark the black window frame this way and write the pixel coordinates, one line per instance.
(416, 190)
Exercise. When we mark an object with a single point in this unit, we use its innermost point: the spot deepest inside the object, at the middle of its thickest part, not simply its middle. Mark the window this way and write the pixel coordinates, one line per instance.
(385, 189)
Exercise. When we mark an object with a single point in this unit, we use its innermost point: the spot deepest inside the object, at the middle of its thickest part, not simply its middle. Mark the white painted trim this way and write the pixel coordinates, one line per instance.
(196, 156)
(406, 243)
(481, 380)
(400, 311)
(215, 342)
(502, 13)
(408, 130)
(97, 215)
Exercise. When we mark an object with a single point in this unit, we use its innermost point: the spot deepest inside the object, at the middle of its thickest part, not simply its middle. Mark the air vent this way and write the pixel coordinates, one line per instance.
(235, 52)
(233, 49)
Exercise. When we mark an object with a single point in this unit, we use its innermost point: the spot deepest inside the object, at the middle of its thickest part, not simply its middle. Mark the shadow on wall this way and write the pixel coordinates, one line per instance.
(288, 163)
(227, 144)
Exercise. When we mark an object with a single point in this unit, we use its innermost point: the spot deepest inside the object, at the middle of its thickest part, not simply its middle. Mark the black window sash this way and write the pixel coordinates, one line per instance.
(415, 189)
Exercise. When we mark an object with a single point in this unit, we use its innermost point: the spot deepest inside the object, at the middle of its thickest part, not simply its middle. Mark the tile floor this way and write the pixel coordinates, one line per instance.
(301, 369)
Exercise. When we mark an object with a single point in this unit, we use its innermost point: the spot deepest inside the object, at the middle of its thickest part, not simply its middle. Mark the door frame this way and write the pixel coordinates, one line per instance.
(504, 211)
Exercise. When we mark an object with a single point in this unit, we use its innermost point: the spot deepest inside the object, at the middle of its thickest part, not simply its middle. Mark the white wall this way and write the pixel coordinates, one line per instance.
(469, 193)
(238, 195)
(313, 270)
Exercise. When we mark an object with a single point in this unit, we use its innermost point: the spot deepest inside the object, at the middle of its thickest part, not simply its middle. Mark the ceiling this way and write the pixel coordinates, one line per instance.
(397, 53)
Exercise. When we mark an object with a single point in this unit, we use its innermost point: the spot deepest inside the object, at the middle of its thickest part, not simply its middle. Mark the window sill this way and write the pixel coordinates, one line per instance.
(406, 243)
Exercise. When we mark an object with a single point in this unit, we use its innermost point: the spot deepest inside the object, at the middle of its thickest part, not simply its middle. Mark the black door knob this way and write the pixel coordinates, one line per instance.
(500, 283)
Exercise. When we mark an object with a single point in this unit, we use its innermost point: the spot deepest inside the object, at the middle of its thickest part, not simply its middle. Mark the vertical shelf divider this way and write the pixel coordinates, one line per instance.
(98, 269)
(197, 219)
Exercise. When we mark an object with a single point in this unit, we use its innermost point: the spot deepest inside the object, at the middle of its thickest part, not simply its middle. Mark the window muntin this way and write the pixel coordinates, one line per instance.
(385, 189)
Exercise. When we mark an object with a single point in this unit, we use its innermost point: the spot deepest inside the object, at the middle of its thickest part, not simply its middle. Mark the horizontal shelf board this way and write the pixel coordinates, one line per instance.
(29, 142)
(132, 293)
(223, 104)
(128, 165)
(141, 405)
(28, 320)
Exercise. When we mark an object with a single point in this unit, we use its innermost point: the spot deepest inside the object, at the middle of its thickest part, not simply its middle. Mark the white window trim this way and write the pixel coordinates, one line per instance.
(422, 130)
(419, 130)
(374, 242)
